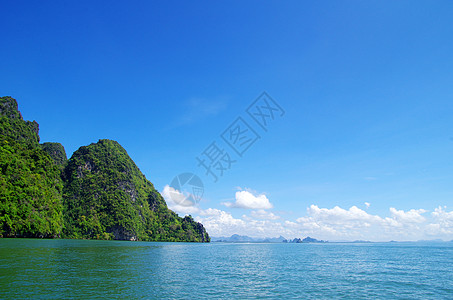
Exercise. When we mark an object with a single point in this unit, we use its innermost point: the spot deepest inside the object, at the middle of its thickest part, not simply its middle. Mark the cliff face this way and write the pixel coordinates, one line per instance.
(30, 183)
(98, 194)
(9, 108)
(13, 127)
(106, 196)
(56, 151)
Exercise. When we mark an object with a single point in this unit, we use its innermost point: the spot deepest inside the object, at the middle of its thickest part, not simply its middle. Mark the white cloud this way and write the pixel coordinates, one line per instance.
(179, 202)
(245, 199)
(442, 225)
(443, 216)
(367, 205)
(334, 224)
(338, 224)
(322, 223)
(174, 196)
(411, 216)
(211, 212)
(338, 215)
(264, 215)
(258, 224)
(222, 223)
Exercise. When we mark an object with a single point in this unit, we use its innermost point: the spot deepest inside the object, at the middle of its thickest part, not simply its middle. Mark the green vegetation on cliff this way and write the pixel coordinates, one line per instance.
(56, 152)
(98, 194)
(106, 196)
(30, 183)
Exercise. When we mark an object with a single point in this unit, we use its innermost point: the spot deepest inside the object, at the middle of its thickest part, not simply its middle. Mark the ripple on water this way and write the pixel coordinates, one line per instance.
(111, 269)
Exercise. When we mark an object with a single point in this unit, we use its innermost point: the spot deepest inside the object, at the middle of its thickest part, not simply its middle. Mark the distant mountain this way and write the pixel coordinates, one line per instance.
(236, 238)
(307, 240)
(280, 239)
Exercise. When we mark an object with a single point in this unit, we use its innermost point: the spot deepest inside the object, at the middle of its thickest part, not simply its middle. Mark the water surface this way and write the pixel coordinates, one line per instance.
(55, 269)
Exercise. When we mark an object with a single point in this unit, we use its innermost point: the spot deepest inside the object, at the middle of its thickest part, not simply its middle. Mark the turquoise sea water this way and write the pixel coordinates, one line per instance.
(55, 269)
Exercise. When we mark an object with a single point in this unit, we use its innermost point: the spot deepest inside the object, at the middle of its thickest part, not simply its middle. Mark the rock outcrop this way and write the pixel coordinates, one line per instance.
(106, 195)
(30, 183)
(97, 194)
(56, 152)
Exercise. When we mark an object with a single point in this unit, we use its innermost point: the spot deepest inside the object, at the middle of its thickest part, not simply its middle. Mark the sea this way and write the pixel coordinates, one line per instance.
(84, 269)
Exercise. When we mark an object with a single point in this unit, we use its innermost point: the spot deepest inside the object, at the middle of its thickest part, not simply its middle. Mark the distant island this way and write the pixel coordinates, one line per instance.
(236, 238)
(306, 240)
(99, 193)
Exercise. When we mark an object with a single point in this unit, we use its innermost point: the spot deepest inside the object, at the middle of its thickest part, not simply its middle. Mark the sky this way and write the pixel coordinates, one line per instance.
(327, 119)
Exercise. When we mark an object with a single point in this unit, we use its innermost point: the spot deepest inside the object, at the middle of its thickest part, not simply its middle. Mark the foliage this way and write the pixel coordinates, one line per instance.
(106, 196)
(56, 152)
(30, 183)
(98, 194)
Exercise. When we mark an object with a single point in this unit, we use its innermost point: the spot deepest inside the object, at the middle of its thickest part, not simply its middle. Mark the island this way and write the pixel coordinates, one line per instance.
(99, 193)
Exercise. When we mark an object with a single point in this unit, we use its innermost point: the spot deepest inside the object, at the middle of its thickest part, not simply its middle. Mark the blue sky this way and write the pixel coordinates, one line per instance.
(366, 87)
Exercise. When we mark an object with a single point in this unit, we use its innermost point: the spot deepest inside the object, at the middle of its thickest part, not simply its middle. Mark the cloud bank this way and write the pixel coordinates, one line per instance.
(333, 224)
